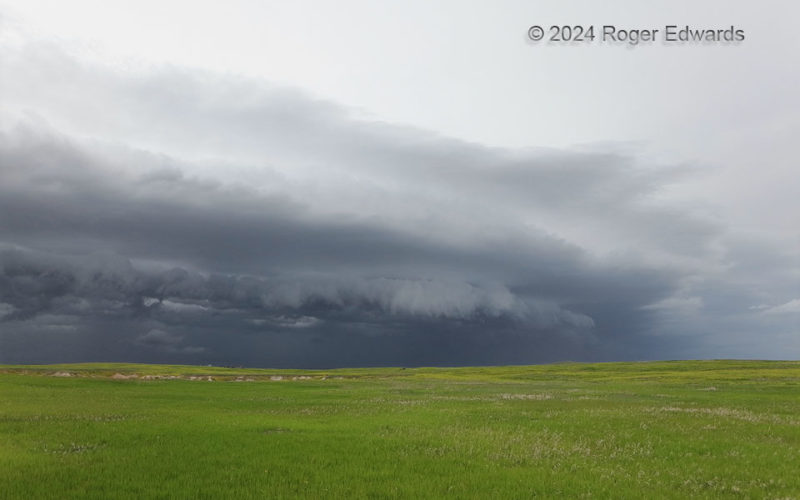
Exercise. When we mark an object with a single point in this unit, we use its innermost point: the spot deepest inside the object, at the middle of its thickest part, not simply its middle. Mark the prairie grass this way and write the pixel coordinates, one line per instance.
(703, 429)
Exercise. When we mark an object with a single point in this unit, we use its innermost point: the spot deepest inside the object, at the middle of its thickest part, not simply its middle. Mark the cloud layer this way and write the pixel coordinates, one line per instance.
(177, 215)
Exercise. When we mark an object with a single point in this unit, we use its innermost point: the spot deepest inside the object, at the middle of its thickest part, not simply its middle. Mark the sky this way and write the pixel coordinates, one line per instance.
(314, 184)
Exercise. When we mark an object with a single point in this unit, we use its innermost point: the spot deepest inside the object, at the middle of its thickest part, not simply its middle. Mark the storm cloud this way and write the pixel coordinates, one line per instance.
(187, 216)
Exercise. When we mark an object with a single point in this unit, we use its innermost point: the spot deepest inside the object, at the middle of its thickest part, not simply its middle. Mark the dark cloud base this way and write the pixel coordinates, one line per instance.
(329, 347)
(102, 308)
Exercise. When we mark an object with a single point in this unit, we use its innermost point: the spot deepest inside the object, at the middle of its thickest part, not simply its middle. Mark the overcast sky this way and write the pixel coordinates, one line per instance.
(319, 184)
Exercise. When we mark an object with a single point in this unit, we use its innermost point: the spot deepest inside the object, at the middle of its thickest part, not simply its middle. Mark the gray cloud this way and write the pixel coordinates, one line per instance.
(213, 219)
(793, 306)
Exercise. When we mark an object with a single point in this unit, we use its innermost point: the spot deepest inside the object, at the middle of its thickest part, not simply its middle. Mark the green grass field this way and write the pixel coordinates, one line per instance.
(615, 430)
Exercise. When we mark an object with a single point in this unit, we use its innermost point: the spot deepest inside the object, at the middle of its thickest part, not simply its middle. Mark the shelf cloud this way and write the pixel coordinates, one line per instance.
(182, 215)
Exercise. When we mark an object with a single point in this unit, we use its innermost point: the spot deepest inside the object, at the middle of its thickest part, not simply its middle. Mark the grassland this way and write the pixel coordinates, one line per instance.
(616, 430)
